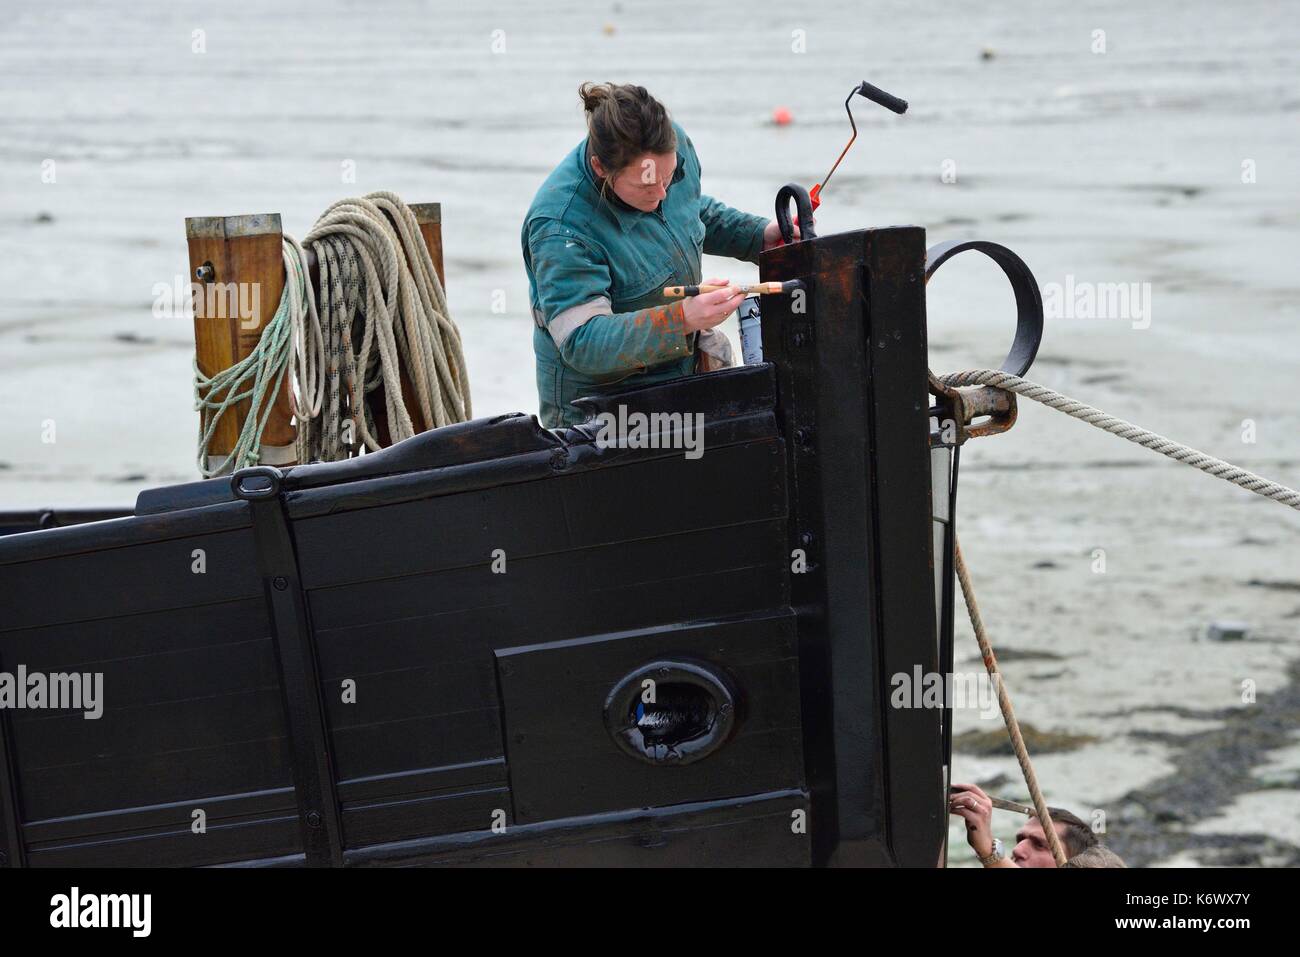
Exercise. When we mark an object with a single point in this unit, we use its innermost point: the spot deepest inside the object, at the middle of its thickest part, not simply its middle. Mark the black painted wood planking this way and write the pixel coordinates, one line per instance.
(614, 556)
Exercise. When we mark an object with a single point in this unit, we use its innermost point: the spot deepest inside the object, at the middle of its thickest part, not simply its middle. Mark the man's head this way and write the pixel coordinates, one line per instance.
(1032, 849)
(633, 144)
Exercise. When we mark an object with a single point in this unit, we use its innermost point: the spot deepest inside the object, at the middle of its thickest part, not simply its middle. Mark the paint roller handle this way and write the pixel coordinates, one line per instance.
(876, 95)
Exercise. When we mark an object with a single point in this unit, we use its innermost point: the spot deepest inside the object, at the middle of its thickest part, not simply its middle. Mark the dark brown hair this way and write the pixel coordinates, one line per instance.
(1077, 836)
(623, 122)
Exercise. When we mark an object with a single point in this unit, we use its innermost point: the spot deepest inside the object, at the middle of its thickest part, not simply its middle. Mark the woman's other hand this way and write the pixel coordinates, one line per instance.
(772, 234)
(709, 309)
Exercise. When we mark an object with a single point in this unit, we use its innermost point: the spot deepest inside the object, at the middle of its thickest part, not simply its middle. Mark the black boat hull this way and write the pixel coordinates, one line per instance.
(436, 654)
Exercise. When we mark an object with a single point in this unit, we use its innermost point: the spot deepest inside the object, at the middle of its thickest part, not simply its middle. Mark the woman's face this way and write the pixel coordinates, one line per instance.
(643, 183)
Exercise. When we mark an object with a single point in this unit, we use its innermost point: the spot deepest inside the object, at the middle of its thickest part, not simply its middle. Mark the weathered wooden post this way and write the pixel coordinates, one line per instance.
(429, 216)
(238, 263)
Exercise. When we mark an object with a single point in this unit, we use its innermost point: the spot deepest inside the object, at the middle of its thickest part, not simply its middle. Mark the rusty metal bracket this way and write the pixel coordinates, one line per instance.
(957, 408)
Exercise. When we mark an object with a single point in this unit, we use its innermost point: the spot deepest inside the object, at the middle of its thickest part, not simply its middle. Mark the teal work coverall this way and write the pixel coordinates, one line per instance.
(596, 273)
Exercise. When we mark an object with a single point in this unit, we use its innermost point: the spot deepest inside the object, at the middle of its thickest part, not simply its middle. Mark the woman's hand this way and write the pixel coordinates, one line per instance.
(772, 234)
(709, 309)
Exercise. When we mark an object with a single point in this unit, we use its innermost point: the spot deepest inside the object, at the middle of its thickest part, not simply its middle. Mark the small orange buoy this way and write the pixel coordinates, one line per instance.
(609, 29)
(781, 116)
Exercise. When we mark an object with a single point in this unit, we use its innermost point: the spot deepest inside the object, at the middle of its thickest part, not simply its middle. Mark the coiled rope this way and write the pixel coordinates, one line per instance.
(1125, 430)
(374, 266)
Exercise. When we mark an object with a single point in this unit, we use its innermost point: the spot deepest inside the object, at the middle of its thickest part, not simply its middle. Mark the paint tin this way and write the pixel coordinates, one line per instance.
(751, 331)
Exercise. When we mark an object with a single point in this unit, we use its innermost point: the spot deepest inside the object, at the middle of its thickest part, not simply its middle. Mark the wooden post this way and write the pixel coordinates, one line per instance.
(429, 216)
(238, 268)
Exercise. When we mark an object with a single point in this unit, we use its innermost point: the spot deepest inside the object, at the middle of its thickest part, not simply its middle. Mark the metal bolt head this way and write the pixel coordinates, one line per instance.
(313, 819)
(280, 582)
(205, 273)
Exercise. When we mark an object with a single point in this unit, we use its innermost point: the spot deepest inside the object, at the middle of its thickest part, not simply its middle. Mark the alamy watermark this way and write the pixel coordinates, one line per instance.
(75, 909)
(57, 691)
(1098, 300)
(208, 300)
(652, 430)
(958, 690)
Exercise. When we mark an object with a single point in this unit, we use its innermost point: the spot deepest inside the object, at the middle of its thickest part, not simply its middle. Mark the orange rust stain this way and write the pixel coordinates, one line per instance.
(844, 280)
(666, 317)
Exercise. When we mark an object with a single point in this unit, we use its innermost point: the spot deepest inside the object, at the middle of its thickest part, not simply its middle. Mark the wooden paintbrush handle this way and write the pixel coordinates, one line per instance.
(763, 288)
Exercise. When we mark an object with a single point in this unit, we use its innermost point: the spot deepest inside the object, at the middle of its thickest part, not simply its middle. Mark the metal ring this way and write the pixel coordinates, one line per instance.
(256, 482)
(803, 206)
(1029, 301)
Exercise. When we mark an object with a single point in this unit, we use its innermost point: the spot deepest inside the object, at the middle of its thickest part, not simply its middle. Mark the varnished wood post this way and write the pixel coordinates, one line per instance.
(429, 216)
(238, 270)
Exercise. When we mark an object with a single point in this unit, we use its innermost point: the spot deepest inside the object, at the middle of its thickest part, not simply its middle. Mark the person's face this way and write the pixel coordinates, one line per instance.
(644, 182)
(1031, 848)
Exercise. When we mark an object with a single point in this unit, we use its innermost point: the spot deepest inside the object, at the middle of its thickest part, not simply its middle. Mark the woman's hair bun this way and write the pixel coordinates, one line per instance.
(593, 94)
(625, 121)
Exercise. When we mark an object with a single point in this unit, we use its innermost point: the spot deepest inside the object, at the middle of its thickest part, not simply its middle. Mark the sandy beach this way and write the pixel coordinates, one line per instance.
(1167, 160)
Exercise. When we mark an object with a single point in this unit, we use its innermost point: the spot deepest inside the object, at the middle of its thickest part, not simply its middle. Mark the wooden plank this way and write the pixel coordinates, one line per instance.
(396, 820)
(220, 629)
(222, 843)
(614, 586)
(445, 779)
(232, 808)
(729, 486)
(751, 831)
(401, 744)
(148, 577)
(135, 779)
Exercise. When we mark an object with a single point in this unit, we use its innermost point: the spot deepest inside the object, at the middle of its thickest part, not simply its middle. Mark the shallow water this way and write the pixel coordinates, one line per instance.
(1117, 167)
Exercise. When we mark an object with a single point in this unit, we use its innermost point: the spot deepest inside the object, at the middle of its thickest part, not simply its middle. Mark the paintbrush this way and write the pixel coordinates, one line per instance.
(762, 288)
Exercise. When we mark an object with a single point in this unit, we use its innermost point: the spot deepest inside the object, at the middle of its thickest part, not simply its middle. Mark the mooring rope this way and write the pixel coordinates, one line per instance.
(1125, 430)
(374, 265)
(1004, 704)
(259, 374)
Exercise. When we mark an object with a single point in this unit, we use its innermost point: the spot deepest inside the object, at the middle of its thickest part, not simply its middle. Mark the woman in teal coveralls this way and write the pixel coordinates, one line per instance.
(619, 219)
